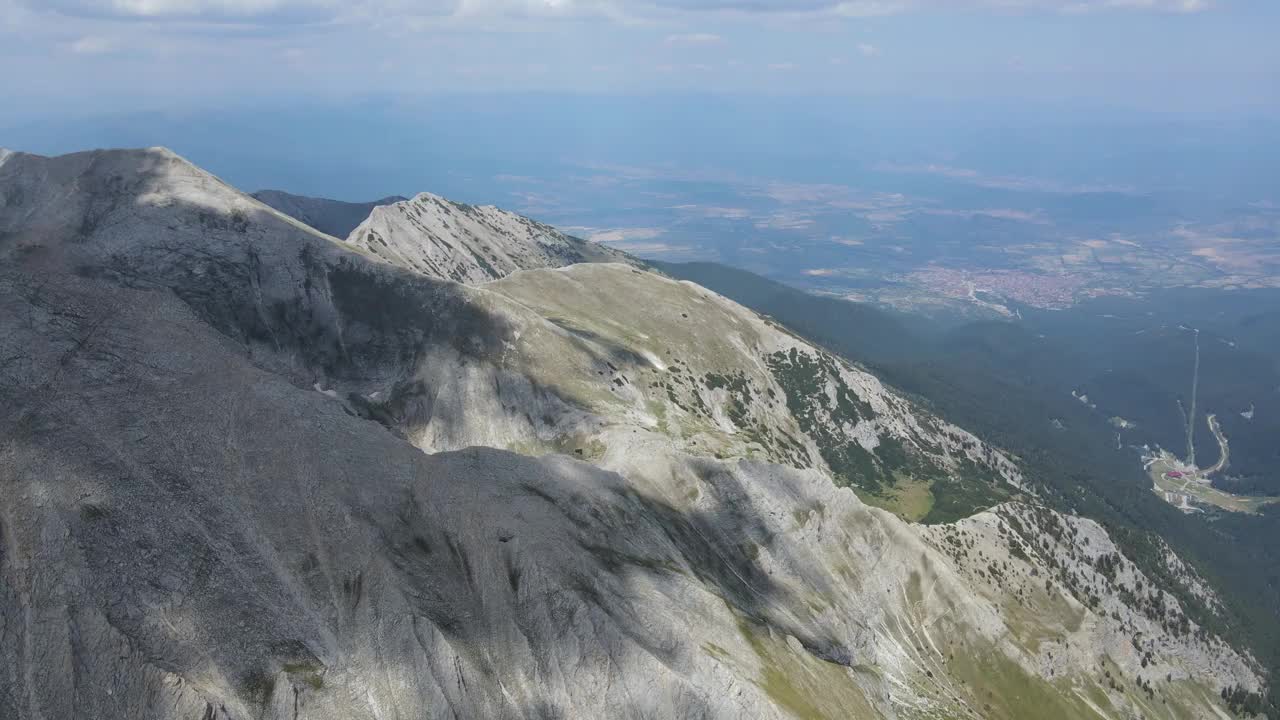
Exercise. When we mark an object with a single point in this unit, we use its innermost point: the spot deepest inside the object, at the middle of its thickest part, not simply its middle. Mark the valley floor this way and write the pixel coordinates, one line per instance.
(1188, 489)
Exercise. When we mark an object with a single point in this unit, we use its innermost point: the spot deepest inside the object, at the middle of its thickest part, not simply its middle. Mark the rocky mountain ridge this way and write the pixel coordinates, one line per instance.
(244, 484)
(468, 243)
(331, 217)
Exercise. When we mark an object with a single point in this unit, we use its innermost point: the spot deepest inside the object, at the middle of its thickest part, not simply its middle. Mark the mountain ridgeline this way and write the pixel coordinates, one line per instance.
(332, 217)
(461, 465)
(467, 243)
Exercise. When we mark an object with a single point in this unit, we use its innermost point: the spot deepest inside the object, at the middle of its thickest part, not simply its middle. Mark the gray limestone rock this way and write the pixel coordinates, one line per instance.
(251, 471)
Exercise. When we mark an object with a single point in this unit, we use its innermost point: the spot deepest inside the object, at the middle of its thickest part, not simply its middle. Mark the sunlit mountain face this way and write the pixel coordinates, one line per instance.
(512, 449)
(533, 359)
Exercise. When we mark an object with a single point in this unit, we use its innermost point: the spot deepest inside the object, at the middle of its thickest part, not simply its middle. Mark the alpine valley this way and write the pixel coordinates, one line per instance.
(270, 457)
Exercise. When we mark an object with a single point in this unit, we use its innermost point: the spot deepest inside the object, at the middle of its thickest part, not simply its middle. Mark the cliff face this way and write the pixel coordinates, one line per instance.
(243, 479)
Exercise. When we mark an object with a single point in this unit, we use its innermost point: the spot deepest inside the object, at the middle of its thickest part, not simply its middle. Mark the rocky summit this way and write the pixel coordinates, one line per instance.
(461, 465)
(467, 243)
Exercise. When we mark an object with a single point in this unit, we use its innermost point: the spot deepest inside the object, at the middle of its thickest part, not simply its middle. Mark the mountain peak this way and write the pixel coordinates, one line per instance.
(138, 211)
(471, 244)
(119, 172)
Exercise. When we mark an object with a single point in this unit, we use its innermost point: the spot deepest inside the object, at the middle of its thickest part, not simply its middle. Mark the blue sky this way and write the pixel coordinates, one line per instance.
(81, 57)
(366, 98)
(782, 135)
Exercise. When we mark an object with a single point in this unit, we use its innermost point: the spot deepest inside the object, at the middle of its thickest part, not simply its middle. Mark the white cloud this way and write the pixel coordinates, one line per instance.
(622, 236)
(1005, 182)
(873, 8)
(217, 10)
(637, 241)
(519, 8)
(656, 249)
(712, 211)
(1176, 6)
(1035, 217)
(700, 38)
(868, 50)
(785, 221)
(877, 8)
(93, 45)
(302, 11)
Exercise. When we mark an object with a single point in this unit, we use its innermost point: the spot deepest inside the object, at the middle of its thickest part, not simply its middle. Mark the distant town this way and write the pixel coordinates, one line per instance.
(1034, 289)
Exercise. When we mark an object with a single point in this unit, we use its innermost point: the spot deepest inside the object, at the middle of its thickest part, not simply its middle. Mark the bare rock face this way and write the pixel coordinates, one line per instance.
(331, 217)
(467, 243)
(244, 476)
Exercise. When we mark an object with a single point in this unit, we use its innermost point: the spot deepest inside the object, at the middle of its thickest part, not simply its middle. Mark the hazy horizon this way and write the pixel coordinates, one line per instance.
(847, 146)
(90, 57)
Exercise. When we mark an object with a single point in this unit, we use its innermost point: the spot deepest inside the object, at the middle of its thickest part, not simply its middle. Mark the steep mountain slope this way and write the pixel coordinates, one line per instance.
(1009, 381)
(714, 378)
(331, 217)
(467, 243)
(879, 334)
(204, 518)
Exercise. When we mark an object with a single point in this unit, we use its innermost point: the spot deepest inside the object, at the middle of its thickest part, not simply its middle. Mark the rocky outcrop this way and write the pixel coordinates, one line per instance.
(468, 243)
(238, 484)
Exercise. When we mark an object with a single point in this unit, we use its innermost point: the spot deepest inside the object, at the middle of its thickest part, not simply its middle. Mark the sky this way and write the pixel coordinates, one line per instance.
(63, 58)
(661, 98)
(815, 140)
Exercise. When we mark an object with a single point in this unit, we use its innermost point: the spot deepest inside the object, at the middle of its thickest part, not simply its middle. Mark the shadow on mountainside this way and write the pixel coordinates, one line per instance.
(232, 528)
